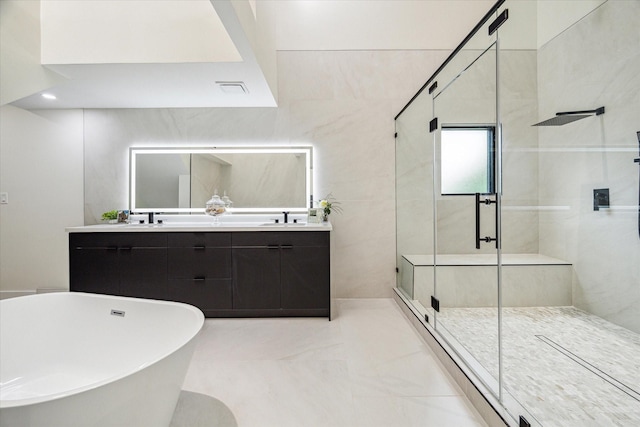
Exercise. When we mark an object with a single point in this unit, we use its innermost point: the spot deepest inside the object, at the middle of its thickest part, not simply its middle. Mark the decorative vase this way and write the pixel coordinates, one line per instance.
(325, 217)
(215, 207)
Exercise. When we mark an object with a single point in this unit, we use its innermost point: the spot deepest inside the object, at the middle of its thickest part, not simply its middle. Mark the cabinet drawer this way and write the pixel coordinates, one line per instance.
(106, 240)
(256, 238)
(190, 240)
(208, 294)
(278, 238)
(305, 238)
(211, 263)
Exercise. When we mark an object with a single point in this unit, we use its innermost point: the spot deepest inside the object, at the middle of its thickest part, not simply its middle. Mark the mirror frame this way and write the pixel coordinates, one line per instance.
(307, 151)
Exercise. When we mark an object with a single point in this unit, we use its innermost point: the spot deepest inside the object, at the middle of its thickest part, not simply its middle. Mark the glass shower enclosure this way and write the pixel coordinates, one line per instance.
(517, 211)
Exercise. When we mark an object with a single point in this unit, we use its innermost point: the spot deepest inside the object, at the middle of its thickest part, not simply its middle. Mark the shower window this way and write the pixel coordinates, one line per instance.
(467, 160)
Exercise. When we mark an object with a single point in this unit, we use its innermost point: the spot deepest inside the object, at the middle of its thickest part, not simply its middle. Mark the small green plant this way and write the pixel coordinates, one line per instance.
(110, 215)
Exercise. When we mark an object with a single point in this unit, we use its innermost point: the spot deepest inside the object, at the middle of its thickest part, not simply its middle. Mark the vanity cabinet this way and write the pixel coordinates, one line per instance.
(125, 264)
(225, 274)
(199, 270)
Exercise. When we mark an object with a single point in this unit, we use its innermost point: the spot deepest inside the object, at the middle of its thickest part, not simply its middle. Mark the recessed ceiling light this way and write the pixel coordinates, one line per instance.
(233, 88)
(48, 96)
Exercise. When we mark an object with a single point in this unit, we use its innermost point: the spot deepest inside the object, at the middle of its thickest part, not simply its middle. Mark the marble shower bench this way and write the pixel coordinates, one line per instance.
(470, 280)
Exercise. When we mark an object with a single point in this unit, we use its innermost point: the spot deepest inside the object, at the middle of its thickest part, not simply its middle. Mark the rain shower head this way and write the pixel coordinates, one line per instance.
(570, 116)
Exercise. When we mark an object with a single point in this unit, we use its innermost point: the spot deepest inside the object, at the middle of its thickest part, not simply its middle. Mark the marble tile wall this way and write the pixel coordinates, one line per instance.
(471, 99)
(341, 102)
(476, 286)
(595, 63)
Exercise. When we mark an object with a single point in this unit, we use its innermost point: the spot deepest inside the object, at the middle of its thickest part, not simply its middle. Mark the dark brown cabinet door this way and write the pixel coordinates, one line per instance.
(126, 264)
(143, 272)
(94, 270)
(256, 278)
(206, 294)
(305, 276)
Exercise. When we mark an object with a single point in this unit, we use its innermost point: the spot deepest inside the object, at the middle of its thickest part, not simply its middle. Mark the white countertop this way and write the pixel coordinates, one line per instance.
(204, 223)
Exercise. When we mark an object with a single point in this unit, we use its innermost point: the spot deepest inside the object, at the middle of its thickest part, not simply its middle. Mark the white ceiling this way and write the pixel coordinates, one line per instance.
(99, 73)
(152, 86)
(94, 49)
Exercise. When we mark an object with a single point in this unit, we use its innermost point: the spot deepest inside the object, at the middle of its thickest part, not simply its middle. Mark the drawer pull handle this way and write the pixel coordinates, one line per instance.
(199, 248)
(199, 279)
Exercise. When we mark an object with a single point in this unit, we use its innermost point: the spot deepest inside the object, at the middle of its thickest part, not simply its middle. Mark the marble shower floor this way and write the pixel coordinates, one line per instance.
(367, 367)
(567, 367)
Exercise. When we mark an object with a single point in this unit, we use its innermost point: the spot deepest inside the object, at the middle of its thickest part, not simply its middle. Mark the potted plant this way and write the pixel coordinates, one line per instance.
(327, 204)
(110, 216)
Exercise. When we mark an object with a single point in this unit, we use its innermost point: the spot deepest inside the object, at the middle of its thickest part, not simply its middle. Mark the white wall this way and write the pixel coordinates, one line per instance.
(343, 103)
(41, 168)
(133, 31)
(556, 16)
(20, 71)
(381, 24)
(259, 23)
(594, 64)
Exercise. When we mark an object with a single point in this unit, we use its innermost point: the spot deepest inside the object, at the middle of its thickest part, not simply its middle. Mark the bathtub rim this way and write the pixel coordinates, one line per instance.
(199, 318)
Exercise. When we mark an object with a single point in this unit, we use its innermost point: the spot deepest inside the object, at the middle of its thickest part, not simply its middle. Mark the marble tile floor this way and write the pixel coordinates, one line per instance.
(567, 367)
(367, 367)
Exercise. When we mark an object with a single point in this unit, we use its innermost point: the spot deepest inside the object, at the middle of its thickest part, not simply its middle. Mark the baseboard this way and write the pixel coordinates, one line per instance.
(487, 406)
(13, 294)
(50, 290)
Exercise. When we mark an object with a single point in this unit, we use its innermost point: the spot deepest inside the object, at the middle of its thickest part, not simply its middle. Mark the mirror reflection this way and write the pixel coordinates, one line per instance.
(254, 179)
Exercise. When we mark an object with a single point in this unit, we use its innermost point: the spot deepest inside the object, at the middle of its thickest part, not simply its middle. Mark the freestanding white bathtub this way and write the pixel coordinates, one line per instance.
(74, 359)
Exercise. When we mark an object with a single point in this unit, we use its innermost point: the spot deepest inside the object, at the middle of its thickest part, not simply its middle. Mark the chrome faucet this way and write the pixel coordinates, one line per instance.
(286, 217)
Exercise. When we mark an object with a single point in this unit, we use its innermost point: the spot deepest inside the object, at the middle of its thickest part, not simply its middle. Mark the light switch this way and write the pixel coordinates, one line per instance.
(4, 198)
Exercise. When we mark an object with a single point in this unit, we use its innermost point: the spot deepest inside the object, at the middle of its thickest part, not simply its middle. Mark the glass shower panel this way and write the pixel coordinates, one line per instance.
(466, 278)
(414, 204)
(571, 249)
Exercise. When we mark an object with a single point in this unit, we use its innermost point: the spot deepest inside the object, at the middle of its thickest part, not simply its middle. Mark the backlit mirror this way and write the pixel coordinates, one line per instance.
(181, 180)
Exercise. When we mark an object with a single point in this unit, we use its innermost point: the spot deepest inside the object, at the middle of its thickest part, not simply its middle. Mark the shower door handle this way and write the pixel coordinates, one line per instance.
(486, 239)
